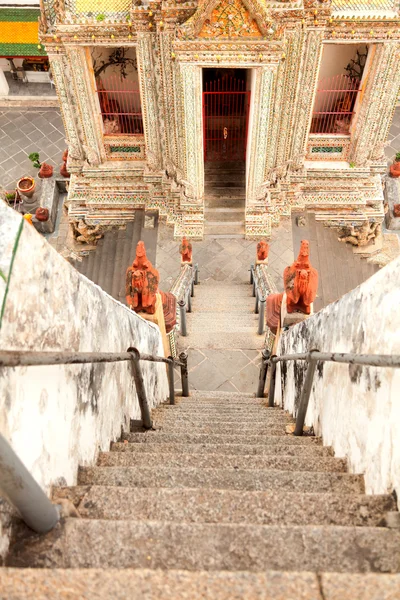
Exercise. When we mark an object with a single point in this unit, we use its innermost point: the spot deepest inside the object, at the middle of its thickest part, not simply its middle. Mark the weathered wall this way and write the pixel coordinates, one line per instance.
(356, 409)
(58, 417)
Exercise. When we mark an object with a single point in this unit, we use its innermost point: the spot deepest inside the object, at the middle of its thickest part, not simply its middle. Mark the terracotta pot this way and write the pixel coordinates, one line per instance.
(395, 169)
(45, 171)
(63, 170)
(65, 155)
(42, 214)
(26, 186)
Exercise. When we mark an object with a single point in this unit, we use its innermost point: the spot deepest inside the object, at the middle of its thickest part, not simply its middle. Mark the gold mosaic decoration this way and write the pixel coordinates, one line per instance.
(230, 19)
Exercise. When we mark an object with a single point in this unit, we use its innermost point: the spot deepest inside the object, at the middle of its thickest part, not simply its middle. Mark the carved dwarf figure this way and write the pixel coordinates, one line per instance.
(301, 282)
(362, 235)
(86, 234)
(262, 251)
(142, 283)
(186, 251)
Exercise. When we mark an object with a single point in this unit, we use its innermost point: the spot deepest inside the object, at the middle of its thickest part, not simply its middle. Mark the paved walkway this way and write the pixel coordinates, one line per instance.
(25, 131)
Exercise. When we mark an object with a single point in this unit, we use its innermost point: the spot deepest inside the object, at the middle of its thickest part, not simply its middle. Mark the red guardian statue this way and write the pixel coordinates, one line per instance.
(186, 251)
(262, 252)
(301, 282)
(142, 283)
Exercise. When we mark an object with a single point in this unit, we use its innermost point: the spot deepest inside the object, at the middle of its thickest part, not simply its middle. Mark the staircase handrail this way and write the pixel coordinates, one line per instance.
(263, 286)
(183, 290)
(312, 358)
(16, 482)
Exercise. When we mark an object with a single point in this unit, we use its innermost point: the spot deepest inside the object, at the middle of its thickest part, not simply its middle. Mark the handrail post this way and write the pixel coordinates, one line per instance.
(256, 305)
(183, 357)
(189, 303)
(182, 315)
(171, 380)
(24, 492)
(196, 274)
(305, 394)
(263, 373)
(261, 317)
(254, 286)
(140, 388)
(192, 288)
(271, 392)
(251, 274)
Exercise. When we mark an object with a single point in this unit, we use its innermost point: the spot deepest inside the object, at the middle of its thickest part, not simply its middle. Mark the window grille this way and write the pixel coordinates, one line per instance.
(120, 106)
(334, 104)
(364, 5)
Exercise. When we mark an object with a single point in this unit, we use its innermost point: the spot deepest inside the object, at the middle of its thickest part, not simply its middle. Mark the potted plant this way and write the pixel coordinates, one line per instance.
(395, 167)
(26, 186)
(63, 168)
(45, 170)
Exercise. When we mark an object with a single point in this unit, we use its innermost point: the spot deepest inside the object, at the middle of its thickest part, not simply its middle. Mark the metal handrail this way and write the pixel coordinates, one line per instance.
(261, 299)
(184, 300)
(16, 482)
(312, 358)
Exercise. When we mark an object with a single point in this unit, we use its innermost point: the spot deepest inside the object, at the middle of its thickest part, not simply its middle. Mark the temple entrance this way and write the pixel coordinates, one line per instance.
(226, 102)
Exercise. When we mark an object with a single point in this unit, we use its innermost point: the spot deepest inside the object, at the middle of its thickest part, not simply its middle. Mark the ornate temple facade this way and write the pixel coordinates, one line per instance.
(300, 92)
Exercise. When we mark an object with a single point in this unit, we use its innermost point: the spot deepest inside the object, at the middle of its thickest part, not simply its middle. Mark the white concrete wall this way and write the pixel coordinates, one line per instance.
(59, 417)
(356, 409)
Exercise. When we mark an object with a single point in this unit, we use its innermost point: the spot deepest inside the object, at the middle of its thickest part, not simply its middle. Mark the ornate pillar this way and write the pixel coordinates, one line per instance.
(376, 108)
(306, 87)
(193, 166)
(258, 221)
(169, 95)
(60, 69)
(285, 100)
(147, 80)
(89, 113)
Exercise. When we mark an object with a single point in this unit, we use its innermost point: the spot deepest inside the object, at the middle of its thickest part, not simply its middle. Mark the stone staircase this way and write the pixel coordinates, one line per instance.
(106, 265)
(225, 194)
(217, 502)
(223, 317)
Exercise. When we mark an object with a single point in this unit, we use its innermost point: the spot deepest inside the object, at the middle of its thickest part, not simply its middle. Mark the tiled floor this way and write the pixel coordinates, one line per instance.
(393, 137)
(19, 88)
(25, 131)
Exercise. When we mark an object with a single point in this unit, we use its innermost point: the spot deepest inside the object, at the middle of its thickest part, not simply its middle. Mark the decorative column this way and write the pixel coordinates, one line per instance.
(376, 109)
(69, 110)
(192, 130)
(147, 80)
(169, 95)
(285, 100)
(258, 222)
(306, 88)
(89, 113)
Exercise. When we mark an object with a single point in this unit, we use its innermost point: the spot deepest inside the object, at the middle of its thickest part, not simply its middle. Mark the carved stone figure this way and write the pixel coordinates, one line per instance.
(74, 151)
(142, 283)
(300, 281)
(152, 161)
(91, 156)
(186, 251)
(262, 251)
(86, 234)
(361, 235)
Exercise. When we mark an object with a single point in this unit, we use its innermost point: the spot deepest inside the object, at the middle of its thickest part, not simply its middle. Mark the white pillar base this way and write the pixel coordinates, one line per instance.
(4, 88)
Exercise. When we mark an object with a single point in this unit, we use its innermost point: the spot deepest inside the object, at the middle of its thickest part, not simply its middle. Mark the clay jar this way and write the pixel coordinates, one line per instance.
(63, 168)
(42, 214)
(45, 171)
(395, 169)
(26, 186)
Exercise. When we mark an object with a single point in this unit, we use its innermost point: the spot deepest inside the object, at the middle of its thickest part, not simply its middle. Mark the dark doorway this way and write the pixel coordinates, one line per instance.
(226, 102)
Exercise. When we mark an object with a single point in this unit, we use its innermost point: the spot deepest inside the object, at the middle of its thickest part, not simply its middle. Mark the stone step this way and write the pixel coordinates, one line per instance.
(225, 177)
(229, 506)
(216, 438)
(243, 449)
(256, 429)
(222, 189)
(223, 461)
(233, 479)
(242, 305)
(224, 215)
(227, 418)
(74, 584)
(223, 293)
(83, 543)
(224, 202)
(229, 341)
